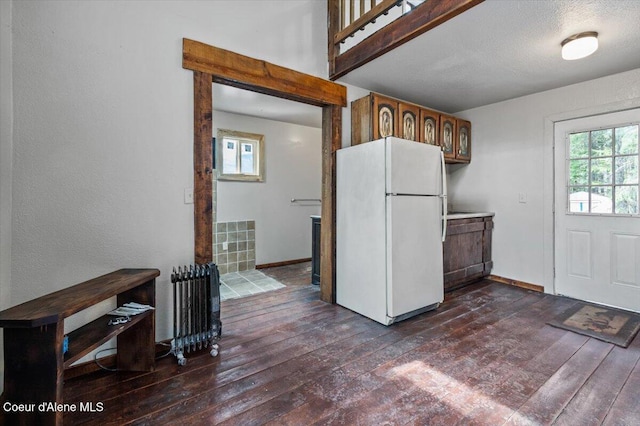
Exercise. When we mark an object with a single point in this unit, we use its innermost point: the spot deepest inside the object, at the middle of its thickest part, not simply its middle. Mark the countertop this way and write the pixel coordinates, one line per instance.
(468, 215)
(450, 215)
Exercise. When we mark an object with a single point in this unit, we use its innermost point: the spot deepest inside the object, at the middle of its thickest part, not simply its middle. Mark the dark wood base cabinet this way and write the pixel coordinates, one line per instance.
(315, 250)
(467, 251)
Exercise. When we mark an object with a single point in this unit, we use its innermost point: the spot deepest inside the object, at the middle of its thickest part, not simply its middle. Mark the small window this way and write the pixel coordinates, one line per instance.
(603, 171)
(240, 156)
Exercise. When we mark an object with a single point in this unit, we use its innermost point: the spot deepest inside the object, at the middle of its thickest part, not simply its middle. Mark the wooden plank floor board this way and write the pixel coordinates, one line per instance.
(484, 357)
(451, 370)
(368, 374)
(625, 410)
(593, 401)
(196, 381)
(373, 344)
(289, 324)
(547, 402)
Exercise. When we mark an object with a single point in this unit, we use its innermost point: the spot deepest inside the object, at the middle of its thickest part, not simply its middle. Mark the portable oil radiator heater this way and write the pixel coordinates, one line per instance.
(196, 310)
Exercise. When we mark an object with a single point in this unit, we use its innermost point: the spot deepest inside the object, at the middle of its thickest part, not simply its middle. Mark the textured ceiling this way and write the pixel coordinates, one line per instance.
(498, 50)
(501, 50)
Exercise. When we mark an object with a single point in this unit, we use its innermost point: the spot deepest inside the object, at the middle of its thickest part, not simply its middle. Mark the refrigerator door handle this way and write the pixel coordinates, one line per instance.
(444, 198)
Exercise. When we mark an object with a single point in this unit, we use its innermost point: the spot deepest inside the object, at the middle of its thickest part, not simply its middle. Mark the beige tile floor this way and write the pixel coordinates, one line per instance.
(245, 283)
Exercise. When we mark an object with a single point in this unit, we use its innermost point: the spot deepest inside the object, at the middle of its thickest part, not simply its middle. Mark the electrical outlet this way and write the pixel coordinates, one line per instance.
(225, 246)
(188, 195)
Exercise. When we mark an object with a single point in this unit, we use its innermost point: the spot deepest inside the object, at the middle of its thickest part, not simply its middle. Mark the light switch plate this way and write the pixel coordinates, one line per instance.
(188, 195)
(522, 197)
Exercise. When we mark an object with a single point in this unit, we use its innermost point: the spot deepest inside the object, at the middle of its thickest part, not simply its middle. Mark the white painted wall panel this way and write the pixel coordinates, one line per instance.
(511, 155)
(103, 129)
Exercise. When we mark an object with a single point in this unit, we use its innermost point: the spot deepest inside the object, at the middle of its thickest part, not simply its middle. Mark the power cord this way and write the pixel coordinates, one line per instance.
(95, 356)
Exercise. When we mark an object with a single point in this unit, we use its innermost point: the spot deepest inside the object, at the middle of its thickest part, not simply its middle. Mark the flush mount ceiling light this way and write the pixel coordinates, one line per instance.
(580, 45)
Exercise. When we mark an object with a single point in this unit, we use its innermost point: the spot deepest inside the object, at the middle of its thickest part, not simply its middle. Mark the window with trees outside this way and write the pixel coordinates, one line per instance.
(603, 171)
(239, 156)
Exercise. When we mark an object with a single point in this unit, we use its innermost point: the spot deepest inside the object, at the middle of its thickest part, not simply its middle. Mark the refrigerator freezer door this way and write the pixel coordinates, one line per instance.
(414, 254)
(412, 168)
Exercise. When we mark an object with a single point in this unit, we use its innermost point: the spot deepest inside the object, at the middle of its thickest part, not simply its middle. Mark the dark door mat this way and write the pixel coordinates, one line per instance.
(600, 322)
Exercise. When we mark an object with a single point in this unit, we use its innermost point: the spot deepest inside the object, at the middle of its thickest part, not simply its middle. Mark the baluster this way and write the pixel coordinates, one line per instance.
(352, 4)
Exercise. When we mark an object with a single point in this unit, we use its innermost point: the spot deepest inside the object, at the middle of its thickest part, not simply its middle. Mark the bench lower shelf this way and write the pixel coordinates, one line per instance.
(90, 336)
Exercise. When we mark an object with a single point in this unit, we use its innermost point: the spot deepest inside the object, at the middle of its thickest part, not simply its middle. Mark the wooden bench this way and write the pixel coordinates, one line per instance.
(34, 334)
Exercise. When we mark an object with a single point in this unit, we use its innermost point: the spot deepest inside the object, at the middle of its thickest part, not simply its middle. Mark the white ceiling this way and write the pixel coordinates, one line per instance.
(498, 50)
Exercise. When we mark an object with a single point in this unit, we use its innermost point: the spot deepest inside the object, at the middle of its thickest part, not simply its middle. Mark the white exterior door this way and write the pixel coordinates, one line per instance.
(597, 216)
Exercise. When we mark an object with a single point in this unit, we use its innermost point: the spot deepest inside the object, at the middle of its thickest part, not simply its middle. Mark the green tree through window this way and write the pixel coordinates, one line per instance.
(603, 171)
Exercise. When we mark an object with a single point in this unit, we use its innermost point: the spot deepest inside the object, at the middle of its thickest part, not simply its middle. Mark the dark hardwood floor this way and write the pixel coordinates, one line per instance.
(485, 357)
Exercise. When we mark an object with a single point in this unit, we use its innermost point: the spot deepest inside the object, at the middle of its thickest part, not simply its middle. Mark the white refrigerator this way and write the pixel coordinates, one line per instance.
(390, 223)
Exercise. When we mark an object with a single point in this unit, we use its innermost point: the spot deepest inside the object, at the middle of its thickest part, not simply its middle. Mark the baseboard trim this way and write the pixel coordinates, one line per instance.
(284, 263)
(516, 283)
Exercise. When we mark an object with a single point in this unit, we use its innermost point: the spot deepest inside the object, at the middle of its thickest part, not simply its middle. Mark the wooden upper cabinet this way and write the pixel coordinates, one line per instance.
(385, 117)
(448, 136)
(409, 121)
(377, 116)
(463, 141)
(373, 117)
(429, 127)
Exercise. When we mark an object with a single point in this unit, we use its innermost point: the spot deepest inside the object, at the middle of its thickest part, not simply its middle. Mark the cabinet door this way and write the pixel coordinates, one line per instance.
(463, 141)
(448, 135)
(385, 117)
(409, 118)
(429, 127)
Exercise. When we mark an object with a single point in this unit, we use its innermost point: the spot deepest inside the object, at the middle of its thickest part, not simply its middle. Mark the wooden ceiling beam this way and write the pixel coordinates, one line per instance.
(241, 71)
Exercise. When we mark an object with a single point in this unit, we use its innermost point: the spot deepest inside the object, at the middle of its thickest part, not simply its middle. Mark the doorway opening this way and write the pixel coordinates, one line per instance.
(211, 64)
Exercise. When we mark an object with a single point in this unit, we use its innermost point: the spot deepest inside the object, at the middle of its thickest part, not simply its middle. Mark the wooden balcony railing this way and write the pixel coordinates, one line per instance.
(410, 19)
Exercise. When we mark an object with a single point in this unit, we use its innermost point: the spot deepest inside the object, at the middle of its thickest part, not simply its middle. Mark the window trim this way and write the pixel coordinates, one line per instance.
(258, 138)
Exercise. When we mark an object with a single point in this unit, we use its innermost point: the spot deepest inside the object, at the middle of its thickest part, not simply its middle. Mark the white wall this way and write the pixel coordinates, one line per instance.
(512, 154)
(6, 162)
(103, 129)
(293, 170)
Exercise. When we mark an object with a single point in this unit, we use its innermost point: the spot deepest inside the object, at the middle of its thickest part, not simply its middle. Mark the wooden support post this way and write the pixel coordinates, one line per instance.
(203, 166)
(335, 14)
(331, 142)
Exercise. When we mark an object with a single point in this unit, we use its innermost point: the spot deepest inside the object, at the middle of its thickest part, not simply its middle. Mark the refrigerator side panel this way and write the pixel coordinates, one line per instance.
(414, 254)
(413, 168)
(360, 230)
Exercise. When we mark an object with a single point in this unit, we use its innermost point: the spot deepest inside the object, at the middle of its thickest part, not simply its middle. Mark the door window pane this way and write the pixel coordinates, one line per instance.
(627, 199)
(627, 140)
(601, 171)
(579, 145)
(601, 142)
(601, 199)
(627, 169)
(579, 199)
(578, 172)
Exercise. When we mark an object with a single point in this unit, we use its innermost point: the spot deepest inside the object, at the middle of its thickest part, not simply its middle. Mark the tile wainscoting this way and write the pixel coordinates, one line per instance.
(240, 240)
